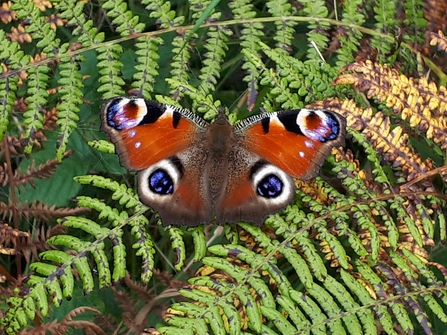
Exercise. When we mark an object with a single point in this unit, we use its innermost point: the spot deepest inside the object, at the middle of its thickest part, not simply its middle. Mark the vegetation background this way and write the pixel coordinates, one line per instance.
(361, 250)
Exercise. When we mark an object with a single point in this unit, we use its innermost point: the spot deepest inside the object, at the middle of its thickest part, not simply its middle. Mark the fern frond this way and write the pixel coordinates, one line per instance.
(439, 40)
(215, 46)
(283, 34)
(318, 34)
(71, 98)
(147, 67)
(416, 22)
(419, 102)
(73, 11)
(123, 194)
(161, 10)
(250, 36)
(126, 21)
(8, 84)
(180, 64)
(387, 23)
(205, 103)
(111, 82)
(41, 31)
(66, 325)
(350, 37)
(37, 210)
(6, 14)
(295, 82)
(43, 171)
(144, 241)
(9, 235)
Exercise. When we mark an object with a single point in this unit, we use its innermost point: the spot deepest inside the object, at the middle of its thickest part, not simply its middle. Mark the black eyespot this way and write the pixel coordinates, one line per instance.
(160, 182)
(270, 186)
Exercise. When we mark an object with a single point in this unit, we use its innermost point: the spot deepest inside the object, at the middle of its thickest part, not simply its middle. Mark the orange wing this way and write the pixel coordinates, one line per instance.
(145, 132)
(296, 141)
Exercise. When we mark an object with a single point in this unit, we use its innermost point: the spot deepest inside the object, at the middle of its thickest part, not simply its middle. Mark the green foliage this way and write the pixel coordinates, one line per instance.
(357, 253)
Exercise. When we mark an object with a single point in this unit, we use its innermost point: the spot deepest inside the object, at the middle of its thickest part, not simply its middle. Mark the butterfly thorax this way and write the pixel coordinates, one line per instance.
(219, 139)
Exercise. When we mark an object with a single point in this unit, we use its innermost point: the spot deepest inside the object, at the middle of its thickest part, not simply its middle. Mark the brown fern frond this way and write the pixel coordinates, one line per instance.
(15, 146)
(7, 15)
(166, 279)
(43, 171)
(55, 21)
(418, 102)
(140, 289)
(38, 242)
(131, 310)
(42, 4)
(357, 117)
(391, 143)
(439, 40)
(38, 211)
(10, 235)
(394, 146)
(19, 34)
(67, 324)
(50, 118)
(435, 14)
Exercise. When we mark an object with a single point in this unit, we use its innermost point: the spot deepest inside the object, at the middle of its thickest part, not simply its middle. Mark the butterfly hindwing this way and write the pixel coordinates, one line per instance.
(255, 189)
(176, 188)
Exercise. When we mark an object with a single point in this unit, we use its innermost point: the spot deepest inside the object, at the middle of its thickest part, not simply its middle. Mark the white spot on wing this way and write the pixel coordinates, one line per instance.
(302, 154)
(137, 145)
(308, 144)
(132, 133)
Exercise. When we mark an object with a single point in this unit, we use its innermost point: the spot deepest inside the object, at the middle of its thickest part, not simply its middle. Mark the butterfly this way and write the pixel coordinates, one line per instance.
(191, 171)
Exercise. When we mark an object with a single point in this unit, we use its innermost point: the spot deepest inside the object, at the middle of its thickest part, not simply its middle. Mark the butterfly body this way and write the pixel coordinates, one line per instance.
(191, 171)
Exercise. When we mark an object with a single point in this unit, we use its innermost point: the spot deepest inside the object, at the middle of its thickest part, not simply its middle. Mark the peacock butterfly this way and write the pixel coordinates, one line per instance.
(191, 171)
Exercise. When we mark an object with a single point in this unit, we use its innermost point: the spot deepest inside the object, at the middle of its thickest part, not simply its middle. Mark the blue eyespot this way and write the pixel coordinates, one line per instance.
(160, 182)
(270, 186)
(334, 125)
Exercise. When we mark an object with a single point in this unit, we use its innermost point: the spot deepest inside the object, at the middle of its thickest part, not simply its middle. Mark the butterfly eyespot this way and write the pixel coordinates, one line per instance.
(270, 186)
(160, 182)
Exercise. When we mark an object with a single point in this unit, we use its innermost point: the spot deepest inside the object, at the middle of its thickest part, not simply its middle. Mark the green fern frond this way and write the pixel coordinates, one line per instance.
(416, 21)
(73, 11)
(295, 82)
(318, 35)
(40, 30)
(161, 10)
(283, 34)
(179, 64)
(8, 84)
(37, 100)
(147, 66)
(204, 102)
(216, 47)
(127, 23)
(350, 37)
(250, 36)
(111, 82)
(124, 195)
(71, 97)
(386, 22)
